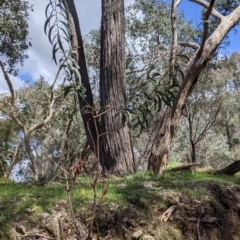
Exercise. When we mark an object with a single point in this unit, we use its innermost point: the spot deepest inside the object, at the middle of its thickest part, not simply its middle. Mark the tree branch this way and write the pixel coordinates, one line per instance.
(174, 35)
(193, 45)
(205, 4)
(205, 27)
(46, 120)
(9, 83)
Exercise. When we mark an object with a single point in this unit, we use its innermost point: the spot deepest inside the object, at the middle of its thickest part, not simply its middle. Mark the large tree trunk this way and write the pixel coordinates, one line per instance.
(161, 146)
(116, 151)
(163, 138)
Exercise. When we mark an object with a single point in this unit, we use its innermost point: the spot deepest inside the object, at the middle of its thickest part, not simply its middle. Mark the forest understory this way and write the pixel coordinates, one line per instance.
(181, 205)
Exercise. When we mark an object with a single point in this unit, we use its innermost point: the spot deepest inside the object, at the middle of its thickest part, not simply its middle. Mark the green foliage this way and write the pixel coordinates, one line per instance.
(16, 199)
(143, 191)
(57, 143)
(236, 141)
(14, 39)
(57, 28)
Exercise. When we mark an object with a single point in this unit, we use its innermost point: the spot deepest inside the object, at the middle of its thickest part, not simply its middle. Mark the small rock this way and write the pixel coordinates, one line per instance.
(147, 184)
(94, 237)
(137, 234)
(13, 234)
(142, 223)
(20, 228)
(132, 222)
(148, 237)
(51, 223)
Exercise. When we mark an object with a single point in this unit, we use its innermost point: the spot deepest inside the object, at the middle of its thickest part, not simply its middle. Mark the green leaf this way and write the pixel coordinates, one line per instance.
(60, 42)
(147, 96)
(155, 75)
(48, 22)
(46, 10)
(66, 34)
(66, 90)
(159, 103)
(54, 51)
(77, 74)
(50, 33)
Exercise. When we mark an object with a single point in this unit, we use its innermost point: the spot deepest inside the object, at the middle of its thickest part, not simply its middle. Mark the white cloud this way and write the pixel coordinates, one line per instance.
(40, 61)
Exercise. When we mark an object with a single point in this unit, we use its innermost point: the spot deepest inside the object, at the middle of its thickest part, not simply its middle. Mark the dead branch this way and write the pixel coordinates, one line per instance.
(230, 169)
(35, 235)
(183, 167)
(198, 222)
(205, 27)
(204, 219)
(167, 214)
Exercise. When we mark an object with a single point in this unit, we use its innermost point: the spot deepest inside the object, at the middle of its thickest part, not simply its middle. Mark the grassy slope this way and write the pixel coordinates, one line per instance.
(17, 200)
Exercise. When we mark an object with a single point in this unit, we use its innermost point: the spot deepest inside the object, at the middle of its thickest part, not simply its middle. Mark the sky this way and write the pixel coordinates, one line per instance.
(40, 61)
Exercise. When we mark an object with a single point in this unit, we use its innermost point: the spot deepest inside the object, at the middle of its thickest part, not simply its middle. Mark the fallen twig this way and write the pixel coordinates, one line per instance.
(198, 222)
(35, 235)
(204, 219)
(188, 166)
(167, 214)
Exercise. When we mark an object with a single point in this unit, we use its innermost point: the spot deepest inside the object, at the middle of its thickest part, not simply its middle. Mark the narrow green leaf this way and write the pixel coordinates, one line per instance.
(47, 22)
(46, 9)
(50, 33)
(66, 90)
(54, 51)
(60, 42)
(77, 74)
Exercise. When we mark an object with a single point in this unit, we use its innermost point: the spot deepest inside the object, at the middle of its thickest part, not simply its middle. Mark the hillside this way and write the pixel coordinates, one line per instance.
(175, 206)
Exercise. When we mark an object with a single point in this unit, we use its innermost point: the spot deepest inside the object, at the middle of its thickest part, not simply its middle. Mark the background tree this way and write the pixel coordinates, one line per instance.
(18, 110)
(14, 39)
(8, 145)
(203, 52)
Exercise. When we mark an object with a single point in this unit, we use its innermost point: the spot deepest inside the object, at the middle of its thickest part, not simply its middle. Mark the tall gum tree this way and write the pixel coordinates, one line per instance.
(160, 149)
(111, 142)
(115, 143)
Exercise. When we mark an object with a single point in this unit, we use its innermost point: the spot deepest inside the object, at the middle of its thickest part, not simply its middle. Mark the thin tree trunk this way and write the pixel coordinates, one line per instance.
(116, 154)
(14, 158)
(229, 136)
(86, 104)
(193, 152)
(32, 158)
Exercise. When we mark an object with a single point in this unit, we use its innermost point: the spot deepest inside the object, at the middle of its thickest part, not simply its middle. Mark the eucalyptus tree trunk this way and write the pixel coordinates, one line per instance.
(34, 164)
(86, 104)
(111, 142)
(115, 144)
(167, 127)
